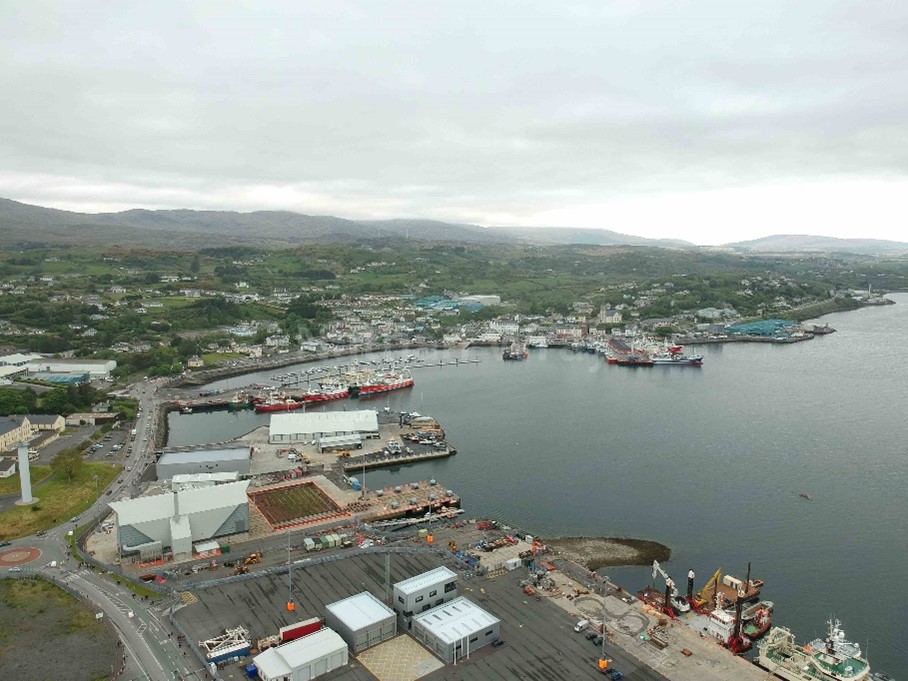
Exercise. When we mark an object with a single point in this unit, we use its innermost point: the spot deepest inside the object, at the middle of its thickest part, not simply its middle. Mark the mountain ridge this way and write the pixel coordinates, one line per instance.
(192, 229)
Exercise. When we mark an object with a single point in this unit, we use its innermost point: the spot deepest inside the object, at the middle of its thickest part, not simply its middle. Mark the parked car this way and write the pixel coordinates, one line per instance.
(5, 543)
(498, 642)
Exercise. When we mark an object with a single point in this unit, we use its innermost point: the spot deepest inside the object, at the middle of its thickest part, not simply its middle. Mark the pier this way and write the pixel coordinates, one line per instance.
(389, 461)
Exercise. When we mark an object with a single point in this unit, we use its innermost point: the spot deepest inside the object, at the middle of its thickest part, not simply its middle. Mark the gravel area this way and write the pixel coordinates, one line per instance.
(44, 630)
(597, 552)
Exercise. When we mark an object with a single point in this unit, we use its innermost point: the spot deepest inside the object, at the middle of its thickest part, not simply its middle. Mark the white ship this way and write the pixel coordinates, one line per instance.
(829, 659)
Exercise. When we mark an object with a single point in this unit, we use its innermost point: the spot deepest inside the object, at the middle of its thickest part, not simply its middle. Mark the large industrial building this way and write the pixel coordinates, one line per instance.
(304, 658)
(362, 621)
(293, 427)
(222, 460)
(423, 592)
(95, 368)
(455, 629)
(176, 520)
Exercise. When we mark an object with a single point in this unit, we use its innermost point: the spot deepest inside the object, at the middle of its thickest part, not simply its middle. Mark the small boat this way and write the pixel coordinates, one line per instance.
(805, 495)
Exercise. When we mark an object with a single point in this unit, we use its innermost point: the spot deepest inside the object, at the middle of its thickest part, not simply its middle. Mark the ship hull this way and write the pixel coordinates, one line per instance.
(361, 391)
(269, 408)
(325, 397)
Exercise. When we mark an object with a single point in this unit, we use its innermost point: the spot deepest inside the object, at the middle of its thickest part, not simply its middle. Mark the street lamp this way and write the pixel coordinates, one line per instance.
(95, 476)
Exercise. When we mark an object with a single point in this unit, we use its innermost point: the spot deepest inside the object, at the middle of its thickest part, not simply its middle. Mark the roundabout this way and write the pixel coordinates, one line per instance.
(18, 556)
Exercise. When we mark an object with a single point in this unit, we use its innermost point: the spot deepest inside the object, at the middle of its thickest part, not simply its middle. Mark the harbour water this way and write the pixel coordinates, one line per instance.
(710, 461)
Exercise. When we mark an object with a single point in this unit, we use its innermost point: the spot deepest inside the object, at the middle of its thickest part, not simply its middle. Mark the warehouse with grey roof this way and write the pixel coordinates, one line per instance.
(197, 461)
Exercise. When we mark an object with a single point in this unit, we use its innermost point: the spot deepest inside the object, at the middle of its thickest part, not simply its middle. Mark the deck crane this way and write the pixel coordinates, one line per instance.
(673, 599)
(702, 598)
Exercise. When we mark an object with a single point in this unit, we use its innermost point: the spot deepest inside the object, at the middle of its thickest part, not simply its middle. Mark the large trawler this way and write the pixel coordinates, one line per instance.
(830, 659)
(325, 393)
(380, 385)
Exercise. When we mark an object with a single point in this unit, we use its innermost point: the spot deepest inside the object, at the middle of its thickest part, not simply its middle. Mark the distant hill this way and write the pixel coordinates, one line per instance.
(191, 229)
(21, 223)
(594, 237)
(781, 243)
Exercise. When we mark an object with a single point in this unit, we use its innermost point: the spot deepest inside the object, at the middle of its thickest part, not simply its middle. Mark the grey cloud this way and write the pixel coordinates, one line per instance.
(423, 108)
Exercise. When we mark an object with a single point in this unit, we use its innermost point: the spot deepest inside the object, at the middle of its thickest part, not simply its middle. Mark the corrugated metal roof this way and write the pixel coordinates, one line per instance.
(426, 579)
(197, 500)
(363, 420)
(360, 611)
(282, 660)
(456, 620)
(205, 455)
(187, 478)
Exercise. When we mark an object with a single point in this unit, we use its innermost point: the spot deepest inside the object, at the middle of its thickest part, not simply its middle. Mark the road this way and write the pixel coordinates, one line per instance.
(151, 648)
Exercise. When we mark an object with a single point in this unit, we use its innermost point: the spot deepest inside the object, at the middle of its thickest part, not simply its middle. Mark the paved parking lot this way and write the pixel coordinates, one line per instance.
(541, 644)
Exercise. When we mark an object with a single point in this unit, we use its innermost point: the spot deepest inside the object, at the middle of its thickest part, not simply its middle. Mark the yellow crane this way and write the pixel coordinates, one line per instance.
(703, 597)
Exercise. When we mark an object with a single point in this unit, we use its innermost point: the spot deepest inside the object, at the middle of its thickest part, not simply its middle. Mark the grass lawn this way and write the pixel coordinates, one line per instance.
(58, 500)
(10, 485)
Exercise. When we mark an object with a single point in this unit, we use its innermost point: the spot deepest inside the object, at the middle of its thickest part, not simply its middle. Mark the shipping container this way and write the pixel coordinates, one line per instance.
(309, 544)
(300, 629)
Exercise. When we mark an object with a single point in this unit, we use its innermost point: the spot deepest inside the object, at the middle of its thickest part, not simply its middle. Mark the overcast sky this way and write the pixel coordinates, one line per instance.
(710, 121)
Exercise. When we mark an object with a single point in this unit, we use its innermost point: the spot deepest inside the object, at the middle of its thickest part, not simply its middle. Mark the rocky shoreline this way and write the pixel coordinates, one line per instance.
(597, 552)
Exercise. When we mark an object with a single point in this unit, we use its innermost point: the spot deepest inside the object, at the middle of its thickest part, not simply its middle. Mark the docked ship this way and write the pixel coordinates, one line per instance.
(517, 352)
(378, 386)
(831, 659)
(757, 620)
(275, 403)
(635, 359)
(325, 393)
(676, 357)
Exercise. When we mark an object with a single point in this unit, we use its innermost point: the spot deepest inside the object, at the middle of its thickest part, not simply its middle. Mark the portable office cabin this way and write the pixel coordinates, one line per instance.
(304, 658)
(455, 629)
(362, 621)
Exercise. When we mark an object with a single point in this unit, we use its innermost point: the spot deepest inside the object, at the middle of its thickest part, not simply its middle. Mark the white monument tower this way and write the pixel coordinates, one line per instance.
(25, 476)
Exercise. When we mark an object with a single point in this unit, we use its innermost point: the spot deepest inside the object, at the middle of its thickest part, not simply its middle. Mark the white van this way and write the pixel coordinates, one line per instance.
(581, 625)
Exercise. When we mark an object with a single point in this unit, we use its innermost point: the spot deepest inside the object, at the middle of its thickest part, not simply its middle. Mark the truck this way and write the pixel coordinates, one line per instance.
(134, 432)
(581, 625)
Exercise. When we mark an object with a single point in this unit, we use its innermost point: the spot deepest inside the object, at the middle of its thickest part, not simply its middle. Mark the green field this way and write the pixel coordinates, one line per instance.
(58, 500)
(10, 485)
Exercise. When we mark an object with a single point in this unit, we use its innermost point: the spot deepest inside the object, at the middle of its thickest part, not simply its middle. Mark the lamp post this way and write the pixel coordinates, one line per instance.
(95, 476)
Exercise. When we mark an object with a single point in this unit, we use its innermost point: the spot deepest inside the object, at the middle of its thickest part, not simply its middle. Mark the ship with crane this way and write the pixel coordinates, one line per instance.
(671, 602)
(718, 610)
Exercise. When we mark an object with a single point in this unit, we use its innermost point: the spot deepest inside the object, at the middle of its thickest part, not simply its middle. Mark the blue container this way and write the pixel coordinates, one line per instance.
(252, 671)
(356, 484)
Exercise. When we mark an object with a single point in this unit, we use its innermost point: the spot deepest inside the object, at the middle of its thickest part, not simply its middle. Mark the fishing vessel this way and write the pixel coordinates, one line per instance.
(757, 620)
(635, 359)
(831, 659)
(378, 386)
(517, 352)
(325, 393)
(273, 404)
(678, 360)
(674, 356)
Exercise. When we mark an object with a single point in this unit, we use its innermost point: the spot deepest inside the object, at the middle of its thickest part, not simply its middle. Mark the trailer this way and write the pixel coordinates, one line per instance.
(231, 644)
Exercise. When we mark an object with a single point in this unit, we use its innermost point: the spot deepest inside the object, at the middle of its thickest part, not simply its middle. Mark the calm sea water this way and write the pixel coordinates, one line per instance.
(709, 461)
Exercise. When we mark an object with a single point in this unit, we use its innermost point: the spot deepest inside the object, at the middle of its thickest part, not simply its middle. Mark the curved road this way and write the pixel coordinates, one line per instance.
(151, 648)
